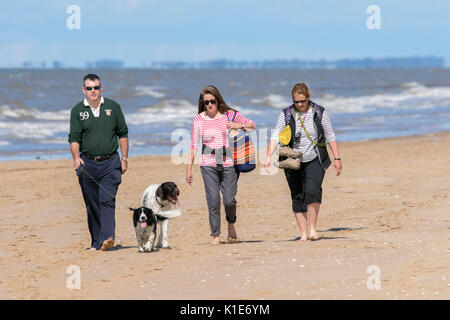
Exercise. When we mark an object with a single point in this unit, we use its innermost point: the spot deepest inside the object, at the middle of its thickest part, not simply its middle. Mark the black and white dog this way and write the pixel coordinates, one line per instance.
(159, 203)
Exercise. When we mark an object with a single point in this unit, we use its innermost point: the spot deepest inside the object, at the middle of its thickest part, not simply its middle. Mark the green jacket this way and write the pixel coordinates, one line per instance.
(97, 136)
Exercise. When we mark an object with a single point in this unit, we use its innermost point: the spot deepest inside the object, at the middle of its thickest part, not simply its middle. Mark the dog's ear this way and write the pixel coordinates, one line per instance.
(135, 217)
(131, 209)
(159, 192)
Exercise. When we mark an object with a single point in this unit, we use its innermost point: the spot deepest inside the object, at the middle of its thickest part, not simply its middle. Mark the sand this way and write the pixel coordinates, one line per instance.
(384, 228)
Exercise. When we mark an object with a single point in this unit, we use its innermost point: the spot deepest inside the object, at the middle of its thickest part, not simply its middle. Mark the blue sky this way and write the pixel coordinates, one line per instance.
(139, 31)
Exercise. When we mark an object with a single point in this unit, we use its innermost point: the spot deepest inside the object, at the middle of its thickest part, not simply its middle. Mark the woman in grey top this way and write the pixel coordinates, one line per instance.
(311, 132)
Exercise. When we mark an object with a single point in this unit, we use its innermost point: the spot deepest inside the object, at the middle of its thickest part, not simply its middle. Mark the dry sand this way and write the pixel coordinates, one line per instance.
(389, 209)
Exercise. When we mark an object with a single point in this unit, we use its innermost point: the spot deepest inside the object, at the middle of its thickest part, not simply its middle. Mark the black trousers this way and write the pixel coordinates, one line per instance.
(100, 205)
(305, 184)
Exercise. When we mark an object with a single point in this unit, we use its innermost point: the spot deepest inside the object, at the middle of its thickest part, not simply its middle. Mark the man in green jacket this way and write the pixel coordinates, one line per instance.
(97, 128)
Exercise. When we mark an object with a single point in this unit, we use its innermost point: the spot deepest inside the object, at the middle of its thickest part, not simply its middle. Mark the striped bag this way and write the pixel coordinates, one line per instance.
(242, 148)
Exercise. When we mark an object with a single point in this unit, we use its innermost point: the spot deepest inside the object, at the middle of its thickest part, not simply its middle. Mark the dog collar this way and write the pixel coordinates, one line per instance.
(156, 198)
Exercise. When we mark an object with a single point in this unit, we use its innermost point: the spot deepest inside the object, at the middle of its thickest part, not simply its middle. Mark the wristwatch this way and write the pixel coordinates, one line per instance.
(125, 159)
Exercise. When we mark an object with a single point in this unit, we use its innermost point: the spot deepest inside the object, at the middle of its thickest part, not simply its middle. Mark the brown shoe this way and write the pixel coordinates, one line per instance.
(107, 244)
(289, 152)
(293, 164)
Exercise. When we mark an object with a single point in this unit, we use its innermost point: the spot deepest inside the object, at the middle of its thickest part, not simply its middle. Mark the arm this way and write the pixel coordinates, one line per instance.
(281, 123)
(189, 178)
(240, 122)
(270, 150)
(195, 138)
(124, 150)
(75, 139)
(332, 142)
(337, 162)
(122, 133)
(75, 150)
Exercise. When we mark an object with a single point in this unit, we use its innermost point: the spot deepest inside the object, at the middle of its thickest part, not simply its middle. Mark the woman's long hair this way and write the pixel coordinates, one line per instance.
(222, 107)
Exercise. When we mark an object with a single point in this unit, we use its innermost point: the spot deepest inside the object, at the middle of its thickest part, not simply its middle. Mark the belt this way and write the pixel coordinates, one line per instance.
(220, 154)
(100, 158)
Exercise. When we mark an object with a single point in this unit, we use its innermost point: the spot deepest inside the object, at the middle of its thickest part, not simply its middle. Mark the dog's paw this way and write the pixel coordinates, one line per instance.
(163, 245)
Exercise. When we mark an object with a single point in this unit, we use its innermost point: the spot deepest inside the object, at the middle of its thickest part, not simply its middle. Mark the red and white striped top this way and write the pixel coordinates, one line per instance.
(213, 134)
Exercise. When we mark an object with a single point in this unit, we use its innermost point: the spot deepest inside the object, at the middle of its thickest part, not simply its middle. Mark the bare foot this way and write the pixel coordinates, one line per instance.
(233, 240)
(303, 237)
(313, 236)
(232, 231)
(215, 241)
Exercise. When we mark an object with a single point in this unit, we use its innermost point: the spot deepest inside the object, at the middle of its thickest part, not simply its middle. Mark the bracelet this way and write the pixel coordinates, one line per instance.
(125, 159)
(337, 158)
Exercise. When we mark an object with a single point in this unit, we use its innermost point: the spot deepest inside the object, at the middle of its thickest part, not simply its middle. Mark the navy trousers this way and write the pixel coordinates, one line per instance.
(100, 205)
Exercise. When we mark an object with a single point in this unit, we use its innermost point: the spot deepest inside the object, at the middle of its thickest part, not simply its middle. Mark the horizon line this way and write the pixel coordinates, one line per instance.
(405, 62)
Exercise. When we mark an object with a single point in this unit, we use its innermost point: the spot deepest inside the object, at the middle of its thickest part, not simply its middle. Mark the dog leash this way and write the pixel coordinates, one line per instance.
(80, 171)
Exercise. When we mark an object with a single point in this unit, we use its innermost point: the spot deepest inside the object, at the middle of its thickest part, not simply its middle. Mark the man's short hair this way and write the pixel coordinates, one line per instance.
(91, 76)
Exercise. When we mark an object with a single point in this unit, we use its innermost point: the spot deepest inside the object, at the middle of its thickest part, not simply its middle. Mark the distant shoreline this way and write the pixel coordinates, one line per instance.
(224, 69)
(225, 64)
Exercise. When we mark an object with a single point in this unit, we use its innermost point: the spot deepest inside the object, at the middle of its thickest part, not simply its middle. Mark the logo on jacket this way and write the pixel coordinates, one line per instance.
(108, 112)
(84, 115)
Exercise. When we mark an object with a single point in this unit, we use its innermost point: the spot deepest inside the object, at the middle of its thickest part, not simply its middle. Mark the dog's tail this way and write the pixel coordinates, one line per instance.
(169, 214)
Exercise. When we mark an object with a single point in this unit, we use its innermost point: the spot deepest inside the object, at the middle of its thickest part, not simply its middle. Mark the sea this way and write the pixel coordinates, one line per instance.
(159, 105)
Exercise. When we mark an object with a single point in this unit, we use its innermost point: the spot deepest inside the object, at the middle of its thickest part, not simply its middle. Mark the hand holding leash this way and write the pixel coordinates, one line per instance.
(80, 170)
(77, 162)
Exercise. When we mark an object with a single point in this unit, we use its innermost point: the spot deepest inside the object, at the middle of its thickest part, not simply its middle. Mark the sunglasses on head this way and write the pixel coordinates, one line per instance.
(214, 101)
(90, 88)
(300, 101)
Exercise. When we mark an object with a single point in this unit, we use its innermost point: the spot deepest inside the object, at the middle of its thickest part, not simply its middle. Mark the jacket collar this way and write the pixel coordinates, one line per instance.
(86, 103)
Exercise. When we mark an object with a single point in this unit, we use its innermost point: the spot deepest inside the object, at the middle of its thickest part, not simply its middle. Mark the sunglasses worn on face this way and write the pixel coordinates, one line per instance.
(300, 101)
(95, 88)
(210, 101)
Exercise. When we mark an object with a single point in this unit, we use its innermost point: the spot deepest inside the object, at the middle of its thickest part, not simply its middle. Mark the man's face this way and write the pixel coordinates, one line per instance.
(92, 89)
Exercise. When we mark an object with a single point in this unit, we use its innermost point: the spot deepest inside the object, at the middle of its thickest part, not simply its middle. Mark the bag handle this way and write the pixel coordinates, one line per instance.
(234, 115)
(307, 133)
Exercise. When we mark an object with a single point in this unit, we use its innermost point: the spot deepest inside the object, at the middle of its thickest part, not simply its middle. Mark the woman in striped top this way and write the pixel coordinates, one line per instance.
(209, 133)
(306, 184)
